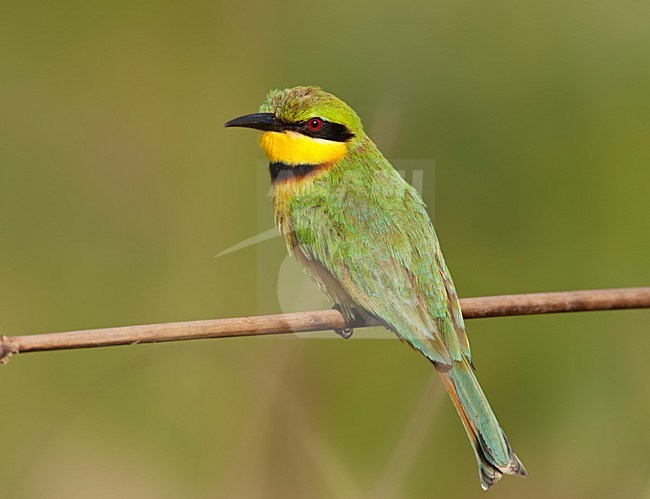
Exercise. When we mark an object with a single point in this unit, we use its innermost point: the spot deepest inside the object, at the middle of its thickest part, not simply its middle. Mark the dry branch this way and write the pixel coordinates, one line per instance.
(473, 308)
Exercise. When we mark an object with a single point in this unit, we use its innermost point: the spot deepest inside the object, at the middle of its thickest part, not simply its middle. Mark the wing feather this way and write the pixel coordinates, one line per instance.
(391, 268)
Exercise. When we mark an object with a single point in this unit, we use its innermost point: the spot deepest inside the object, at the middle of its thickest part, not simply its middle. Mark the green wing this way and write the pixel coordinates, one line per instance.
(379, 245)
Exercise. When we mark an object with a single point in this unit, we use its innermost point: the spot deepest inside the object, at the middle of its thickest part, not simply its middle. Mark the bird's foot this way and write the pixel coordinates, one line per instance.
(344, 332)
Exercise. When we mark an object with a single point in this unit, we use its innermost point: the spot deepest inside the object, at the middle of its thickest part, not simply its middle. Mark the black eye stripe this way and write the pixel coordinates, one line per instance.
(329, 131)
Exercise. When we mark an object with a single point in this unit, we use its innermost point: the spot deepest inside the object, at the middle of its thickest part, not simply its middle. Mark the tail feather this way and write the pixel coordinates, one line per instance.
(493, 452)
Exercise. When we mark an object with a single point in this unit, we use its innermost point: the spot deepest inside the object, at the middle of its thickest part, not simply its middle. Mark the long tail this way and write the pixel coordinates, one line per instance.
(493, 452)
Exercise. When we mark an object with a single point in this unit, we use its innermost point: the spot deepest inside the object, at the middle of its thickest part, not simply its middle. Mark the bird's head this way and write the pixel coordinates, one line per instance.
(304, 126)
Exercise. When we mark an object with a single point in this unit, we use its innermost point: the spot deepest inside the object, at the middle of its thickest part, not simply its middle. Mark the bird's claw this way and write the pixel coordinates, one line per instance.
(343, 332)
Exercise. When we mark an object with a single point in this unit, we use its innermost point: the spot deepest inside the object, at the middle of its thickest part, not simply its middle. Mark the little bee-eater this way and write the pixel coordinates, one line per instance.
(363, 234)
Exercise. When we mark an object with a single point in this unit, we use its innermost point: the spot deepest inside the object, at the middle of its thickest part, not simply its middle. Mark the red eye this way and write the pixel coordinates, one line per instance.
(315, 124)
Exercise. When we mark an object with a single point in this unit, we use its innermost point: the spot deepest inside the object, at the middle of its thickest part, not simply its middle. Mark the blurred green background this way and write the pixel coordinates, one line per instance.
(119, 184)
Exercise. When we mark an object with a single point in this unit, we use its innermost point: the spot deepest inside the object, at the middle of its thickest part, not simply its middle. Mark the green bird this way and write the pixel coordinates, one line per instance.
(363, 234)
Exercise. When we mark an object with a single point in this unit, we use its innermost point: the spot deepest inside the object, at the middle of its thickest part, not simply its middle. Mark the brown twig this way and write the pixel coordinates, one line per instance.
(473, 308)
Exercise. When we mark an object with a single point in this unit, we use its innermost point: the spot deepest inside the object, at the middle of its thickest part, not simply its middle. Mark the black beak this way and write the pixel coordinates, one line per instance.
(259, 121)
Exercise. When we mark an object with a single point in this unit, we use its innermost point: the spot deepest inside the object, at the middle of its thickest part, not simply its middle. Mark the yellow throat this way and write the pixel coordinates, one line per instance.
(292, 148)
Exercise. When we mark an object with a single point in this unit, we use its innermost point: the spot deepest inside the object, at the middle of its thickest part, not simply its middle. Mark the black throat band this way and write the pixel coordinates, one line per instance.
(282, 171)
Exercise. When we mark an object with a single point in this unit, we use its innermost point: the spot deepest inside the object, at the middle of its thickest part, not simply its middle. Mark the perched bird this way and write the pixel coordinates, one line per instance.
(363, 234)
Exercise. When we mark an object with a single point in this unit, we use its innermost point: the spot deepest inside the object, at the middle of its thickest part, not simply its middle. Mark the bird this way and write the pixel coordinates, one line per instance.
(362, 233)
